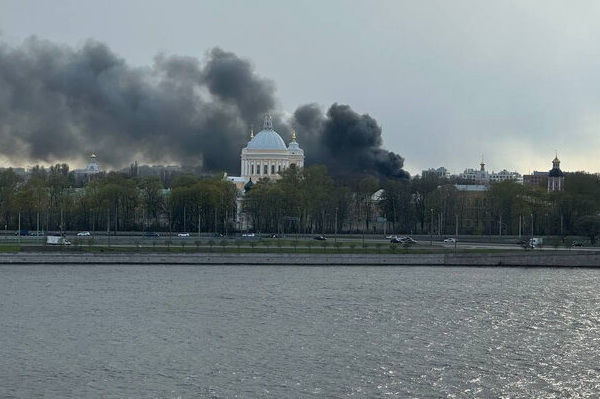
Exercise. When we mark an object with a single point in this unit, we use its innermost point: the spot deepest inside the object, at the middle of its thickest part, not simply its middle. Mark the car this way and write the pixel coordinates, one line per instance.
(248, 235)
(525, 244)
(84, 233)
(403, 240)
(183, 235)
(450, 239)
(391, 237)
(152, 234)
(578, 243)
(37, 233)
(320, 237)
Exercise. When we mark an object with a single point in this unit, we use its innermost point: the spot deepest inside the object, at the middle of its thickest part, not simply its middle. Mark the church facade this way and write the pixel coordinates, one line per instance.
(266, 155)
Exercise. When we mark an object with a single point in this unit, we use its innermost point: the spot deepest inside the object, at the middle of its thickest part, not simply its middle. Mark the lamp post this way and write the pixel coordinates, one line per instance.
(335, 227)
(456, 232)
(37, 233)
(431, 228)
(532, 225)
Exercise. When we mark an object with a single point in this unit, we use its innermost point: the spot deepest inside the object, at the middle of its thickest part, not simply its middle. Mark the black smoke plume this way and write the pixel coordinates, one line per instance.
(58, 103)
(349, 144)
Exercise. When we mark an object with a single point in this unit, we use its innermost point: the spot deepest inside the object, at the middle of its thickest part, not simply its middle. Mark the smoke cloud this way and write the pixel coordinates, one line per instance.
(58, 103)
(349, 144)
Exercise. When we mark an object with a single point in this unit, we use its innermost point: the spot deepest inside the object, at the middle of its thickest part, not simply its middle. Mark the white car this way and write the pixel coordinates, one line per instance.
(183, 235)
(450, 239)
(84, 233)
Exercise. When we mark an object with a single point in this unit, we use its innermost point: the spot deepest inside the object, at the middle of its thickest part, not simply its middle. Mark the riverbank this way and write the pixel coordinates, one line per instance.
(515, 259)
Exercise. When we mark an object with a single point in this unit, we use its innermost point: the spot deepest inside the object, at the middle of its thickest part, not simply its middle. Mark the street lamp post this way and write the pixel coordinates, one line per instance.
(456, 232)
(500, 227)
(431, 228)
(335, 227)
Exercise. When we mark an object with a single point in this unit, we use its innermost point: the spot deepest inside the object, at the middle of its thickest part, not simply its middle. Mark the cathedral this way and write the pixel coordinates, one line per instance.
(266, 155)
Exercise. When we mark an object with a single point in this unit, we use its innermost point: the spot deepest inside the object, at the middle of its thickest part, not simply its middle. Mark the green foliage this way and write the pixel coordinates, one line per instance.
(303, 201)
(589, 226)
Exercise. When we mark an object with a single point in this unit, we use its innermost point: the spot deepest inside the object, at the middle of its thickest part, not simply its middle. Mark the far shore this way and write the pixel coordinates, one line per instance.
(507, 259)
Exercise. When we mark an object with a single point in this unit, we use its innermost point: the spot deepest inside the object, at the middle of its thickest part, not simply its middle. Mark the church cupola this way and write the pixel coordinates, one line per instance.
(556, 178)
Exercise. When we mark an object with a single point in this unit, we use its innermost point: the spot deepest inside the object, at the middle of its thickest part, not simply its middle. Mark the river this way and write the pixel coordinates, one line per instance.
(298, 332)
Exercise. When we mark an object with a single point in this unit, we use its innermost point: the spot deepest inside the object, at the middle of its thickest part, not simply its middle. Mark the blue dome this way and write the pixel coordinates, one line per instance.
(294, 146)
(267, 139)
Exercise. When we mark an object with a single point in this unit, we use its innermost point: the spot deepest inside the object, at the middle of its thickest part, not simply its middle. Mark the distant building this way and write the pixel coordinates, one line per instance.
(91, 169)
(556, 178)
(266, 155)
(440, 172)
(484, 177)
(536, 179)
(505, 175)
(473, 203)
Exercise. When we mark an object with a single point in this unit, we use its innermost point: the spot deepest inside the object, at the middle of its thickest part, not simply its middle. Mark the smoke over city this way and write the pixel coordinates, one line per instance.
(349, 144)
(59, 103)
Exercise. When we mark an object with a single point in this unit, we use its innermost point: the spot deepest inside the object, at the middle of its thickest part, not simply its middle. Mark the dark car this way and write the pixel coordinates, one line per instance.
(320, 238)
(152, 234)
(578, 243)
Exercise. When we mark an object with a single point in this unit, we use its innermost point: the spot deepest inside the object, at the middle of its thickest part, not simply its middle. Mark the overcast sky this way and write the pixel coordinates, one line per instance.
(450, 82)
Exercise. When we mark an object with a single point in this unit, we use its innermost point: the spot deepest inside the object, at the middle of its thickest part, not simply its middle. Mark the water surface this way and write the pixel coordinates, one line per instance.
(298, 332)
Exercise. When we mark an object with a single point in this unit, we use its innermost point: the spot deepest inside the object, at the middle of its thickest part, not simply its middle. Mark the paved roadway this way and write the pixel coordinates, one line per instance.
(424, 242)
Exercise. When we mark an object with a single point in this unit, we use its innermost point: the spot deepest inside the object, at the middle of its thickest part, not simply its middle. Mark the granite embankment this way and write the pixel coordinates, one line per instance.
(531, 258)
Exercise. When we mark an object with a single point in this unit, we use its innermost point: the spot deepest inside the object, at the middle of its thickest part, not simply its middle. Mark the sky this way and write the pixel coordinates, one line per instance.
(450, 83)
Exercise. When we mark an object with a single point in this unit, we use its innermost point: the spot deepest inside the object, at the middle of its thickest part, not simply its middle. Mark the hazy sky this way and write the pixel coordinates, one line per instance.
(450, 82)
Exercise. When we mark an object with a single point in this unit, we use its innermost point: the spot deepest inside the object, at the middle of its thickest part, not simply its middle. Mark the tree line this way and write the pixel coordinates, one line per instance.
(305, 201)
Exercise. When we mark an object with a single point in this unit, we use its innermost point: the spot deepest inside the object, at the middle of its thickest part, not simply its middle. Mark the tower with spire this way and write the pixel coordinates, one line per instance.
(556, 178)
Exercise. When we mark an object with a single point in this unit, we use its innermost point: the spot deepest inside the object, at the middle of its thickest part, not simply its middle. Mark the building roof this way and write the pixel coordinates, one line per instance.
(267, 139)
(555, 172)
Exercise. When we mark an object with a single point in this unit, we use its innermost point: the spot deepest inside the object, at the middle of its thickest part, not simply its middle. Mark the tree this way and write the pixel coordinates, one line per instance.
(589, 226)
(395, 204)
(9, 182)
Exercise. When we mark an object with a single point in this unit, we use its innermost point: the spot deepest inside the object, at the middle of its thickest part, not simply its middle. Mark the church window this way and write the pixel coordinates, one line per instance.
(252, 169)
(266, 168)
(272, 169)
